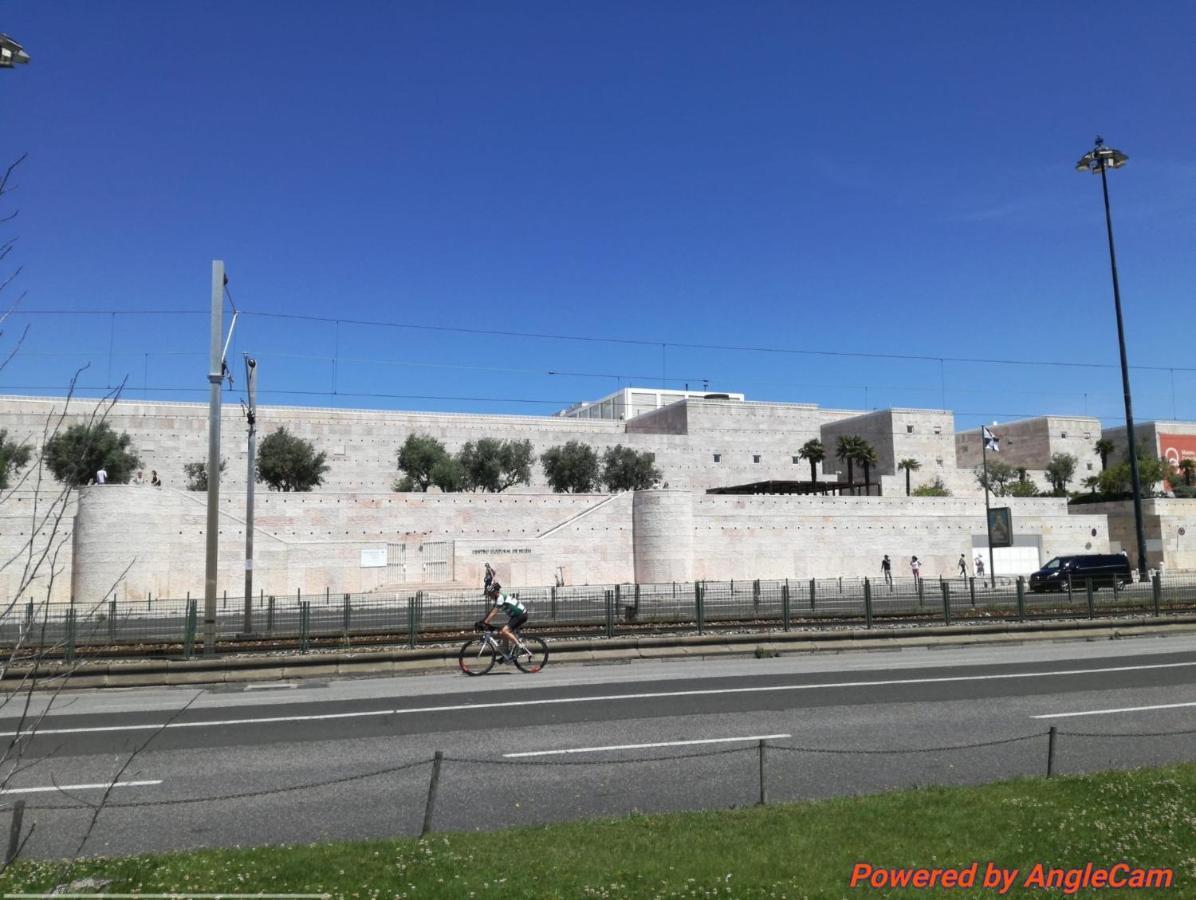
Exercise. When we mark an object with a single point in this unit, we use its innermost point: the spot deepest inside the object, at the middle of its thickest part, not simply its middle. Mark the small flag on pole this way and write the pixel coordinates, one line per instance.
(990, 440)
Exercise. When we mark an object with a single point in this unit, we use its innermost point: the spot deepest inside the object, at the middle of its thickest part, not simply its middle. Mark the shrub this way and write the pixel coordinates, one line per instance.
(76, 454)
(289, 463)
(572, 468)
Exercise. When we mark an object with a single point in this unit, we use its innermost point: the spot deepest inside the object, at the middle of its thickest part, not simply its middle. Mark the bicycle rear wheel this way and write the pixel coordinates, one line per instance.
(476, 657)
(531, 655)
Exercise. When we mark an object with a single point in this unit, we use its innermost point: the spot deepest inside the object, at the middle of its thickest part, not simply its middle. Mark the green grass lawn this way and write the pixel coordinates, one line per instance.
(1146, 818)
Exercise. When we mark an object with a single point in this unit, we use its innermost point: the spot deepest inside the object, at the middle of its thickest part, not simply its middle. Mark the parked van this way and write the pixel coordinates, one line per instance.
(1105, 570)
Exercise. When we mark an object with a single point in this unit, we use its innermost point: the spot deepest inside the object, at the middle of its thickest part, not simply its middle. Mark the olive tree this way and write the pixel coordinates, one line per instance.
(572, 468)
(289, 463)
(77, 453)
(624, 469)
(493, 465)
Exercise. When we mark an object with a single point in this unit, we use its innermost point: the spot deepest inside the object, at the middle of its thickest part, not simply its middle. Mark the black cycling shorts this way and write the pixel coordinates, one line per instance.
(517, 621)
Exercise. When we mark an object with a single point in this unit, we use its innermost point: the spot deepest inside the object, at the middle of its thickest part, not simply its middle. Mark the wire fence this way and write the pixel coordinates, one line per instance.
(756, 771)
(429, 616)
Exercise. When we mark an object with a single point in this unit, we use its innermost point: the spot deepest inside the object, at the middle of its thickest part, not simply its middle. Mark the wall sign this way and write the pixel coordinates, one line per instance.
(373, 557)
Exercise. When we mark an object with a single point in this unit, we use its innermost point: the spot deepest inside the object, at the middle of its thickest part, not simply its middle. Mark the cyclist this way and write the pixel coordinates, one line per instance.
(516, 611)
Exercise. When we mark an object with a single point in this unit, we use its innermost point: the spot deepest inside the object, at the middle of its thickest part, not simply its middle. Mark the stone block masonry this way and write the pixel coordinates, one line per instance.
(132, 541)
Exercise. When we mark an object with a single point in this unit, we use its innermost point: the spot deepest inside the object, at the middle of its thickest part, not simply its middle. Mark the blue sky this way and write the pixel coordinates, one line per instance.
(858, 178)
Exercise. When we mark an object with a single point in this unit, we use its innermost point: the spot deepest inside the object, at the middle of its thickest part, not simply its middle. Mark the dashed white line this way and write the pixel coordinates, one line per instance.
(601, 698)
(80, 787)
(726, 740)
(1109, 712)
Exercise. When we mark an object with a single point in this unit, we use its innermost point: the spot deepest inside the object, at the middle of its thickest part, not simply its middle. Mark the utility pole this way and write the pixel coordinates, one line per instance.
(985, 436)
(250, 478)
(215, 382)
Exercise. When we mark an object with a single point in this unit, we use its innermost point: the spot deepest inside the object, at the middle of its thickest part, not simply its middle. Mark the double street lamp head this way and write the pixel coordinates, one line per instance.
(1100, 158)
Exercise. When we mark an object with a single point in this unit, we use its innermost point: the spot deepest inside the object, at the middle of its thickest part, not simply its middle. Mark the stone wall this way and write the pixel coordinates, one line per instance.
(1162, 521)
(355, 542)
(755, 441)
(36, 545)
(1030, 444)
(817, 537)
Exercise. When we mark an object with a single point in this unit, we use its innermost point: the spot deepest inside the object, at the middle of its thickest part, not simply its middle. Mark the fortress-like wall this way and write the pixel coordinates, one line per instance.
(146, 541)
(818, 537)
(754, 441)
(1030, 444)
(36, 543)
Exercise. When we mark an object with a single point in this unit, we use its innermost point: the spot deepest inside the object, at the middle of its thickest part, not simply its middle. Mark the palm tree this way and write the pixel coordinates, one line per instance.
(1092, 483)
(1104, 447)
(847, 449)
(866, 457)
(1188, 467)
(845, 453)
(910, 465)
(812, 451)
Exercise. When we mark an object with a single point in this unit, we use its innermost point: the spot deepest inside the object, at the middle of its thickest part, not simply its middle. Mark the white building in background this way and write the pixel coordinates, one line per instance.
(632, 401)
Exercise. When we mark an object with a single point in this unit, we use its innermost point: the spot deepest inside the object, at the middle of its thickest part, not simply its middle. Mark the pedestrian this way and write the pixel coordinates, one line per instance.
(101, 475)
(963, 566)
(154, 479)
(980, 566)
(139, 478)
(916, 568)
(887, 567)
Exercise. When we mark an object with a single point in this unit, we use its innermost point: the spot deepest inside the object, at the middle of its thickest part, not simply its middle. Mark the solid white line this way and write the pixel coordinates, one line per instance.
(727, 740)
(603, 698)
(79, 787)
(1109, 712)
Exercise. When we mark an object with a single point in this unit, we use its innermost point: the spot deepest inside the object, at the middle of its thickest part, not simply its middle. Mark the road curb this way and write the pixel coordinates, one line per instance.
(237, 669)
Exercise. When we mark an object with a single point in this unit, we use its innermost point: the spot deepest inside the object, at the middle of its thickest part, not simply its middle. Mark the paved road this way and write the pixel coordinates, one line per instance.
(179, 744)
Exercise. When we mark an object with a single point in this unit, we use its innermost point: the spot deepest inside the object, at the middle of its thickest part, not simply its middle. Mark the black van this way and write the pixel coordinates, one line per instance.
(1105, 570)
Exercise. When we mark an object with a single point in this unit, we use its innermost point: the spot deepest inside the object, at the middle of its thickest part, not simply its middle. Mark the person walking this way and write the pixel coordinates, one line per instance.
(101, 475)
(980, 566)
(916, 568)
(963, 566)
(887, 567)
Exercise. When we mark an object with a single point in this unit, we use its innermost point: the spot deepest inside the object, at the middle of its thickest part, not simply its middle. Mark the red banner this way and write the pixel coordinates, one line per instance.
(1175, 448)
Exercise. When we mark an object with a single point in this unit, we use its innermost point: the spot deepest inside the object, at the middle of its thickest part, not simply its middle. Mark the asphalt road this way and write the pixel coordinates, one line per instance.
(349, 759)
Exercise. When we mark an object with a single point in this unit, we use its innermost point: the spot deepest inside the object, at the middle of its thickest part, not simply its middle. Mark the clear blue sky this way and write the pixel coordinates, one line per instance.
(861, 178)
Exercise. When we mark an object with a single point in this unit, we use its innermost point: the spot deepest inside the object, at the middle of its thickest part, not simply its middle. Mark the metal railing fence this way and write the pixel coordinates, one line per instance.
(413, 617)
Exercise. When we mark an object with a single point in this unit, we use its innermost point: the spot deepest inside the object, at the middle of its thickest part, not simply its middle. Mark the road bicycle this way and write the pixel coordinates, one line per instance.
(478, 655)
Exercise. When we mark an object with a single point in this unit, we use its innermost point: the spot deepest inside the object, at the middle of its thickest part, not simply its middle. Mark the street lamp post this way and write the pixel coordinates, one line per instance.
(1098, 160)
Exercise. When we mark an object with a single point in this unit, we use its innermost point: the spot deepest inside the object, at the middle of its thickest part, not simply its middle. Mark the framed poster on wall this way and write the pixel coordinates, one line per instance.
(1000, 526)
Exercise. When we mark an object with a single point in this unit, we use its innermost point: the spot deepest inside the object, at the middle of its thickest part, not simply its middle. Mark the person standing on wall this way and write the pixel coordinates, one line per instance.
(887, 567)
(916, 568)
(963, 566)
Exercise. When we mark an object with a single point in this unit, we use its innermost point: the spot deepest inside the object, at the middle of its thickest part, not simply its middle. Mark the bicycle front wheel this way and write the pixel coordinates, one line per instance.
(476, 657)
(531, 655)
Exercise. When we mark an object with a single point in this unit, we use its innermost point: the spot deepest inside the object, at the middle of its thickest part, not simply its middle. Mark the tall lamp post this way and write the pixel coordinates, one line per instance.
(1099, 159)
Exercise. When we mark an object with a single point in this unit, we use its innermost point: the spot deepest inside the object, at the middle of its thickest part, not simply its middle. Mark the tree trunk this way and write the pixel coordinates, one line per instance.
(867, 480)
(907, 482)
(850, 477)
(813, 472)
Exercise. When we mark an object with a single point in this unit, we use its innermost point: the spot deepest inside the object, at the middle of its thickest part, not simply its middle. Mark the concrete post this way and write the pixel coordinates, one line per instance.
(215, 380)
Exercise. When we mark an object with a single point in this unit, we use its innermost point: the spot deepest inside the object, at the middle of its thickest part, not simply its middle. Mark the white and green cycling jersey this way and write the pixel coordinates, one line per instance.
(509, 605)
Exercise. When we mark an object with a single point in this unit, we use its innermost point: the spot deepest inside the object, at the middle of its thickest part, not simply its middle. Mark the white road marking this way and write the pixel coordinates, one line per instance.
(726, 740)
(79, 787)
(1109, 712)
(602, 698)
